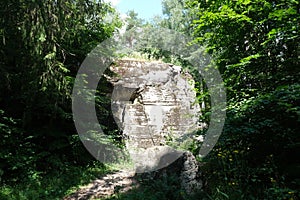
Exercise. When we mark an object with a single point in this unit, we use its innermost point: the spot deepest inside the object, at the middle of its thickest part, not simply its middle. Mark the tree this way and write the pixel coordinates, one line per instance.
(43, 44)
(255, 45)
(178, 16)
(49, 40)
(261, 53)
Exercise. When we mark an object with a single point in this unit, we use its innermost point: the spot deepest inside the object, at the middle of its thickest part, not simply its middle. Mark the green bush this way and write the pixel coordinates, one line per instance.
(258, 155)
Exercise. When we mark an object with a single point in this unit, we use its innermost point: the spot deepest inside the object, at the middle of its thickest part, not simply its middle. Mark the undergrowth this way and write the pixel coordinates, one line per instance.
(52, 185)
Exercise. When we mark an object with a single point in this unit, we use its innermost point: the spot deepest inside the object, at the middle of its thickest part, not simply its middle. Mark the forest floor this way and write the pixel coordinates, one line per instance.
(106, 186)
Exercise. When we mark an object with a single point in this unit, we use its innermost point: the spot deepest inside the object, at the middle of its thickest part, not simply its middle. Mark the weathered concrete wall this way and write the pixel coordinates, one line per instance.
(153, 101)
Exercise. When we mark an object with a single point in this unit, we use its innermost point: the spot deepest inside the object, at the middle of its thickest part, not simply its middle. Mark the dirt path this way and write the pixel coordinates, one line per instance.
(106, 186)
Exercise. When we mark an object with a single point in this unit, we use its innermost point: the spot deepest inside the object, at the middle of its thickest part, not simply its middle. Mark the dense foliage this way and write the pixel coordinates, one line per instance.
(256, 48)
(42, 46)
(262, 53)
(254, 43)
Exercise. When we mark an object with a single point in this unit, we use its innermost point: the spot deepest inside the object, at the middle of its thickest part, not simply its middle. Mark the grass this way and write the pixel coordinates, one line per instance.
(58, 184)
(54, 185)
(166, 188)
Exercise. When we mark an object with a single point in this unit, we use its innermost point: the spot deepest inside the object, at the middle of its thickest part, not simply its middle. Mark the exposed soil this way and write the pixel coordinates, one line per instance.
(118, 182)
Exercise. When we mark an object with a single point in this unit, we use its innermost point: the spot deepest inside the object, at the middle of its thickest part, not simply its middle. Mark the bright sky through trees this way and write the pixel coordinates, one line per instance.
(146, 9)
